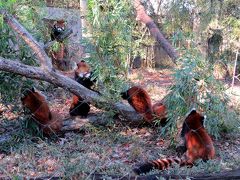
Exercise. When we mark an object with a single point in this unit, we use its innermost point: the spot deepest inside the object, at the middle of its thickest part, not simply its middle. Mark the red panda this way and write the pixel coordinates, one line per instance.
(57, 29)
(198, 143)
(59, 56)
(139, 99)
(50, 122)
(79, 107)
(83, 76)
(160, 111)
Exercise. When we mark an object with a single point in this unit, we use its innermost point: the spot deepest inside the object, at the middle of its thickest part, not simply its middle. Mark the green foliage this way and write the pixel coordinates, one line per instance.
(111, 34)
(12, 47)
(196, 87)
(30, 16)
(30, 127)
(7, 4)
(55, 47)
(180, 13)
(233, 25)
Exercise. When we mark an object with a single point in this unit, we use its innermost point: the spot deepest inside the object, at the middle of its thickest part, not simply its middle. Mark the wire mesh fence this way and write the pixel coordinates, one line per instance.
(42, 102)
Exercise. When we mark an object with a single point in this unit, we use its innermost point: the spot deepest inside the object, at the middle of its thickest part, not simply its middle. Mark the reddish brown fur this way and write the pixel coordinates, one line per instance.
(198, 143)
(59, 55)
(83, 76)
(60, 23)
(75, 101)
(83, 67)
(50, 122)
(160, 111)
(139, 99)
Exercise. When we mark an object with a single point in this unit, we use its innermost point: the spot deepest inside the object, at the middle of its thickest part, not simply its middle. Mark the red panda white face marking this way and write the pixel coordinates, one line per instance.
(60, 28)
(84, 74)
(83, 70)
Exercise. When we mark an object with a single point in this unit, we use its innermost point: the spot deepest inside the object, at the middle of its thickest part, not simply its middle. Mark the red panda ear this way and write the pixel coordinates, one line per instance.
(203, 119)
(193, 111)
(33, 89)
(82, 61)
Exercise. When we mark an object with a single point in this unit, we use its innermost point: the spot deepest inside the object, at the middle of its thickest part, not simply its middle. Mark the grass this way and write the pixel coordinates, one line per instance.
(111, 151)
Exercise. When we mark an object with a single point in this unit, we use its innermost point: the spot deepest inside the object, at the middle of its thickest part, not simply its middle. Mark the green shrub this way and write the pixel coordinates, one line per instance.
(196, 87)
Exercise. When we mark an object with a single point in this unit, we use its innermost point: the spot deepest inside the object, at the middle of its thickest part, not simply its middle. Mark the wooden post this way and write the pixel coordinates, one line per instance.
(234, 72)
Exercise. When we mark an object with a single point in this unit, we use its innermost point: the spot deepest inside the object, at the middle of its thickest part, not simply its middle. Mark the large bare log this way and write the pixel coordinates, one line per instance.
(69, 124)
(233, 174)
(55, 78)
(154, 30)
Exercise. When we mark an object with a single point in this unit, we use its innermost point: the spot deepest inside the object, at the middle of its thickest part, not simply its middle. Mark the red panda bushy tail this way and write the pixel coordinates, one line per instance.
(160, 164)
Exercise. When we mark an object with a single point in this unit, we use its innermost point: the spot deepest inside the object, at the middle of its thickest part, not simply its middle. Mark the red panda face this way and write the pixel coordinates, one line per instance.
(83, 70)
(59, 25)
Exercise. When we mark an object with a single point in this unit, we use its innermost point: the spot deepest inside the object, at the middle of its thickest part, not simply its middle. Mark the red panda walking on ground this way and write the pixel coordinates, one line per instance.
(139, 99)
(83, 75)
(198, 143)
(79, 107)
(50, 122)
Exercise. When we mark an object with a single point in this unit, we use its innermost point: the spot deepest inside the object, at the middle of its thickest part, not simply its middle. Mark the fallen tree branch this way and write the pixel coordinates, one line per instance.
(55, 78)
(233, 174)
(154, 30)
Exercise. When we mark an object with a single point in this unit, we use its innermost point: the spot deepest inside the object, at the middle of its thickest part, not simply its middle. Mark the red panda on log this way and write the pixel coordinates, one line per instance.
(199, 145)
(49, 122)
(83, 75)
(139, 99)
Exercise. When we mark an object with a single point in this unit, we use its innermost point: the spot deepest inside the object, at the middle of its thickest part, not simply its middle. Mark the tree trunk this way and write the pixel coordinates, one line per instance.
(155, 32)
(86, 28)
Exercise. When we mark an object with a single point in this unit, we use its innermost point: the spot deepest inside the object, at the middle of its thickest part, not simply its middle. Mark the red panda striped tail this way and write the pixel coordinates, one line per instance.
(160, 164)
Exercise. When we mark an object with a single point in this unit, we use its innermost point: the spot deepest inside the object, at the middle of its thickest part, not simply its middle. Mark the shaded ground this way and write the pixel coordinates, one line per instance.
(112, 149)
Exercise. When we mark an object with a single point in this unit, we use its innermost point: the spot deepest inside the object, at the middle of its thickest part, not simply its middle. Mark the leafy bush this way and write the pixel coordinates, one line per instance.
(195, 87)
(110, 43)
